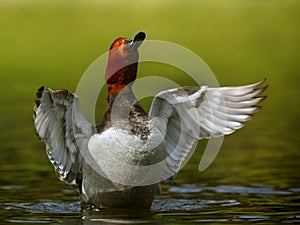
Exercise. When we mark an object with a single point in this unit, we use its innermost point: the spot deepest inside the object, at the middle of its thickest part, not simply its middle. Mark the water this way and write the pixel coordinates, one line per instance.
(256, 176)
(180, 204)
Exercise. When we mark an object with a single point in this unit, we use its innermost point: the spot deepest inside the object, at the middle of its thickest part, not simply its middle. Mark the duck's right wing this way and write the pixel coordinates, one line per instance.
(59, 123)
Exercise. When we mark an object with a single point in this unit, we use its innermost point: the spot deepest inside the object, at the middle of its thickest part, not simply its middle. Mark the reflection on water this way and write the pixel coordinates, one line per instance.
(182, 203)
(258, 190)
(44, 207)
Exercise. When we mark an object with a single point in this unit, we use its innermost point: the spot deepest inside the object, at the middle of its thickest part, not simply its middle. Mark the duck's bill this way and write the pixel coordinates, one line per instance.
(136, 42)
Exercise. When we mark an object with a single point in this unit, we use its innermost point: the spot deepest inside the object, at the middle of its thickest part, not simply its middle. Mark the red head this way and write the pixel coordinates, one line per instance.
(122, 62)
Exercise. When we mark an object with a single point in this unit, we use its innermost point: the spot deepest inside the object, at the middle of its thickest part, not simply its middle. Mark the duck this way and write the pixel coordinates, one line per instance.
(121, 162)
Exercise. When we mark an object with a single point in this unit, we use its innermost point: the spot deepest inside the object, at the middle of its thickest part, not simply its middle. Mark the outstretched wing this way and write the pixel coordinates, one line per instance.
(185, 115)
(56, 115)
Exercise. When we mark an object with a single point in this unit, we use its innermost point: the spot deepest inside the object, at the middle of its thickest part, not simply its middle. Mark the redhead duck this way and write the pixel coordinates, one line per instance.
(120, 162)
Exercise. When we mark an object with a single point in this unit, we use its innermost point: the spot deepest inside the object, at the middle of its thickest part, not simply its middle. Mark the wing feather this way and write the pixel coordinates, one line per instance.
(193, 113)
(54, 122)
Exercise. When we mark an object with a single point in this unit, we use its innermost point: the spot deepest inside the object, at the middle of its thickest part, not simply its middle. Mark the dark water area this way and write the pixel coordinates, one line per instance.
(255, 177)
(181, 204)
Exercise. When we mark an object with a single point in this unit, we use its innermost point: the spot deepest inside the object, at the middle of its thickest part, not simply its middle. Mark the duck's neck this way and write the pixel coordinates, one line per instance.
(122, 105)
(120, 80)
(113, 90)
(120, 96)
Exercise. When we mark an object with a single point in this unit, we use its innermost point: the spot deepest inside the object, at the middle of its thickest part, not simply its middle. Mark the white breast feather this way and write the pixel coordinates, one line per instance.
(127, 159)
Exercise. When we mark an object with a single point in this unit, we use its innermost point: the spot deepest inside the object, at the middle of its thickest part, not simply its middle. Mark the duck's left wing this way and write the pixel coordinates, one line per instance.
(185, 115)
(59, 123)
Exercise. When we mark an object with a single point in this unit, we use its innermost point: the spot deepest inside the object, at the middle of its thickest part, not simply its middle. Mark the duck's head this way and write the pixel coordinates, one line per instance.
(122, 63)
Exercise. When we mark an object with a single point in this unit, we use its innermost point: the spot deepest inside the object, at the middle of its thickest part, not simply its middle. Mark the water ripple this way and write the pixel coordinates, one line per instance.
(45, 207)
(268, 190)
(189, 205)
